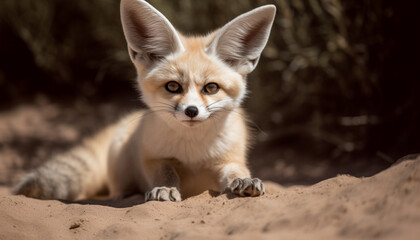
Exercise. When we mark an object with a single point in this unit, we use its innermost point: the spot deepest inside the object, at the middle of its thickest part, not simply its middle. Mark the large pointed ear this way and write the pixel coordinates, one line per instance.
(150, 36)
(240, 42)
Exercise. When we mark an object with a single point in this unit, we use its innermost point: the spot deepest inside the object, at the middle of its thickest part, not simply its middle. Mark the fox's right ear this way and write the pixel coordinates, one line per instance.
(240, 42)
(150, 36)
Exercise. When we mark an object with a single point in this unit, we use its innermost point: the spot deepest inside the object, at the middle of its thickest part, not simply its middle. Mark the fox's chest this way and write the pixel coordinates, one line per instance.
(187, 151)
(201, 145)
(193, 161)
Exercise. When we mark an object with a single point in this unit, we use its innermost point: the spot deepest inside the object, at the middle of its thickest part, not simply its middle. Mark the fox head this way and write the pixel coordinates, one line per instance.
(193, 79)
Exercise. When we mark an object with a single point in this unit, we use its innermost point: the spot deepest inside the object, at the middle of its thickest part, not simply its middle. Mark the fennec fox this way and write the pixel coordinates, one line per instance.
(192, 138)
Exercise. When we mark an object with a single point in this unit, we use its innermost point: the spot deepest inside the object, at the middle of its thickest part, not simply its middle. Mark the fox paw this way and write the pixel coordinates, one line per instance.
(163, 194)
(247, 187)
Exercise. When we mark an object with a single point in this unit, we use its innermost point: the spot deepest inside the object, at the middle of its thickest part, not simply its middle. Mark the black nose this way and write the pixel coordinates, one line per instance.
(191, 111)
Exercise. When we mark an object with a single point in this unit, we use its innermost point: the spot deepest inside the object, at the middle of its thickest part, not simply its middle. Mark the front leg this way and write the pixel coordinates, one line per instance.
(163, 180)
(235, 177)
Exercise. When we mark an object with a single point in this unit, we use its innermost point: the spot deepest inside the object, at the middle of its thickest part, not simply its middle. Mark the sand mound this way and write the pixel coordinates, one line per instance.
(385, 206)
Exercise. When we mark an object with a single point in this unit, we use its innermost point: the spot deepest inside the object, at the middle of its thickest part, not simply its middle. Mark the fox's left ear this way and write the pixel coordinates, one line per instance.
(240, 42)
(150, 36)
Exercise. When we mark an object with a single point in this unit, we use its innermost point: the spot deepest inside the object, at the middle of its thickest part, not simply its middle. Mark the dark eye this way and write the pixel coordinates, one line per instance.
(211, 88)
(173, 87)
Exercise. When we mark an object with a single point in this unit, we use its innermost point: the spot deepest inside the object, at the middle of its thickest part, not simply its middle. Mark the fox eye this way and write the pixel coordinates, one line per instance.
(211, 88)
(173, 87)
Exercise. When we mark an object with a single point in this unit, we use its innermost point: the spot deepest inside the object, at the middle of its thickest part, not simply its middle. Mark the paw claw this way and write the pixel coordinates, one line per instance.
(163, 194)
(247, 187)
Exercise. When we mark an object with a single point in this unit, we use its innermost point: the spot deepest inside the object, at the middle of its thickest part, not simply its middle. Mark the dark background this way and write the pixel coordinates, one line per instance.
(336, 90)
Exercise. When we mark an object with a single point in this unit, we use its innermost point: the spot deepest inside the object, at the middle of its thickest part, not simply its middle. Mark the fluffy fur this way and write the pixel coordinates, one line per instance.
(188, 141)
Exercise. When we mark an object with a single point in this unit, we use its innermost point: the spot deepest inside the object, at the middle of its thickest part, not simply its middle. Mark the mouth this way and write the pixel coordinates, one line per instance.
(191, 122)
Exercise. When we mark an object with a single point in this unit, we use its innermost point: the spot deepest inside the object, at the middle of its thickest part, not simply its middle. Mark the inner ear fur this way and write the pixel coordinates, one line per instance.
(240, 42)
(150, 36)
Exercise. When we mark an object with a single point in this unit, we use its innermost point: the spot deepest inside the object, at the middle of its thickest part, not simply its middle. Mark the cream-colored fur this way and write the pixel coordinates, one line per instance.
(191, 139)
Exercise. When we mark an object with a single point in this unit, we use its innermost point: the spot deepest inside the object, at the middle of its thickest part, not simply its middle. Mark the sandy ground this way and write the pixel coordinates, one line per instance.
(383, 206)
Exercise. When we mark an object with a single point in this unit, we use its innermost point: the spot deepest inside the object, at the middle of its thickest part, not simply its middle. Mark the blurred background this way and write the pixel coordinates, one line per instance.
(337, 89)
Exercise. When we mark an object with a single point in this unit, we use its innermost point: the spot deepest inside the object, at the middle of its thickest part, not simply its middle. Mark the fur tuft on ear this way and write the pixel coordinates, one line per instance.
(150, 36)
(240, 42)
